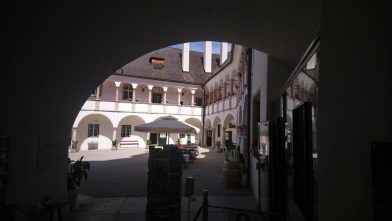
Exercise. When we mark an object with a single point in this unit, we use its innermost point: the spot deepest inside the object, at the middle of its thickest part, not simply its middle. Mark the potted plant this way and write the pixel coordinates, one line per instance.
(114, 145)
(77, 170)
(74, 146)
(230, 150)
(218, 146)
(148, 142)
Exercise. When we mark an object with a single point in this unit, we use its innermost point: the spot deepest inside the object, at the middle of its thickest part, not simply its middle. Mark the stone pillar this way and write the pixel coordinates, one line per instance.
(232, 87)
(134, 86)
(114, 133)
(150, 93)
(164, 94)
(221, 90)
(117, 83)
(213, 95)
(74, 132)
(217, 93)
(179, 95)
(230, 99)
(193, 91)
(213, 100)
(225, 91)
(213, 137)
(223, 136)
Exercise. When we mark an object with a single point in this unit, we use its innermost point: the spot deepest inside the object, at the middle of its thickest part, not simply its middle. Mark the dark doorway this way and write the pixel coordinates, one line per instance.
(255, 120)
(209, 137)
(162, 139)
(154, 138)
(156, 98)
(229, 136)
(278, 168)
(381, 167)
(303, 159)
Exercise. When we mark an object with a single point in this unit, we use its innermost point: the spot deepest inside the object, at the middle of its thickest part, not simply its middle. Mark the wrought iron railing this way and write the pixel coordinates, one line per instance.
(243, 213)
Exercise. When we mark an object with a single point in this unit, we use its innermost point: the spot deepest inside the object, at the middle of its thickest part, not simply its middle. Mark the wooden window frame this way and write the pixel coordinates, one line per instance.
(93, 130)
(127, 89)
(126, 130)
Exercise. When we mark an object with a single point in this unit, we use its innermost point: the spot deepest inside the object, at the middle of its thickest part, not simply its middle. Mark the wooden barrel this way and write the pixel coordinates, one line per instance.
(232, 174)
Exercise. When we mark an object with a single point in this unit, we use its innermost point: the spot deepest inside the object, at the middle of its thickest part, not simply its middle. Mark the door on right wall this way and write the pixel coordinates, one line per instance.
(303, 159)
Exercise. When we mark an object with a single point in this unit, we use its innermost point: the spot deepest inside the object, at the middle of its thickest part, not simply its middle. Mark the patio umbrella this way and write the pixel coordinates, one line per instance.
(166, 125)
(196, 129)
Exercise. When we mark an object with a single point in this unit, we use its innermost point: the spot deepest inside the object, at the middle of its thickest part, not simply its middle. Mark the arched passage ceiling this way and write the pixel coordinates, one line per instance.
(127, 30)
(80, 43)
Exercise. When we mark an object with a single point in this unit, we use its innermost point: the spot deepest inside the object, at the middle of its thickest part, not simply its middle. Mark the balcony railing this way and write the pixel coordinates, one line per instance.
(222, 105)
(99, 105)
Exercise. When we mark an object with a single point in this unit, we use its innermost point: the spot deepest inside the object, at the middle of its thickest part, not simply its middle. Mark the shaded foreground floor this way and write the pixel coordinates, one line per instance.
(119, 209)
(117, 186)
(123, 173)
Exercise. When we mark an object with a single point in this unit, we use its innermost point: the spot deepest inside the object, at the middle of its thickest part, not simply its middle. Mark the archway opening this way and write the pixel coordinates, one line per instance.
(168, 81)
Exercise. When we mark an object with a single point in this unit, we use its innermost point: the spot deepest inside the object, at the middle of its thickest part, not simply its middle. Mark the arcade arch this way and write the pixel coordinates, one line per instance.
(125, 130)
(94, 131)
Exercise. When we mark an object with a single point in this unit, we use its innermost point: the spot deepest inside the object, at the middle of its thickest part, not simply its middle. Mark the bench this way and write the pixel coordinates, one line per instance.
(129, 143)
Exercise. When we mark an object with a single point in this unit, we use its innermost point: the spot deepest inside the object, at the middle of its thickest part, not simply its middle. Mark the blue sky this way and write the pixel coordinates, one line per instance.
(199, 46)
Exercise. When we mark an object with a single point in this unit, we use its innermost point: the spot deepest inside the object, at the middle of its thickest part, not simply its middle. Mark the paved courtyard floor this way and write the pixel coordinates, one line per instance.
(117, 186)
(123, 173)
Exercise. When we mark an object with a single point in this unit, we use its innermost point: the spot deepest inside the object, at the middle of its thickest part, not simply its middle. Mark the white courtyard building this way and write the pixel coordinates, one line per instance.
(201, 89)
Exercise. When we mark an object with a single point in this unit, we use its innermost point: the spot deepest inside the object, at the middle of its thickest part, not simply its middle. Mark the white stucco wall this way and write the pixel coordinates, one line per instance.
(259, 80)
(172, 96)
(228, 71)
(254, 180)
(124, 106)
(89, 105)
(259, 72)
(142, 96)
(187, 97)
(104, 139)
(107, 106)
(132, 120)
(109, 91)
(117, 118)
